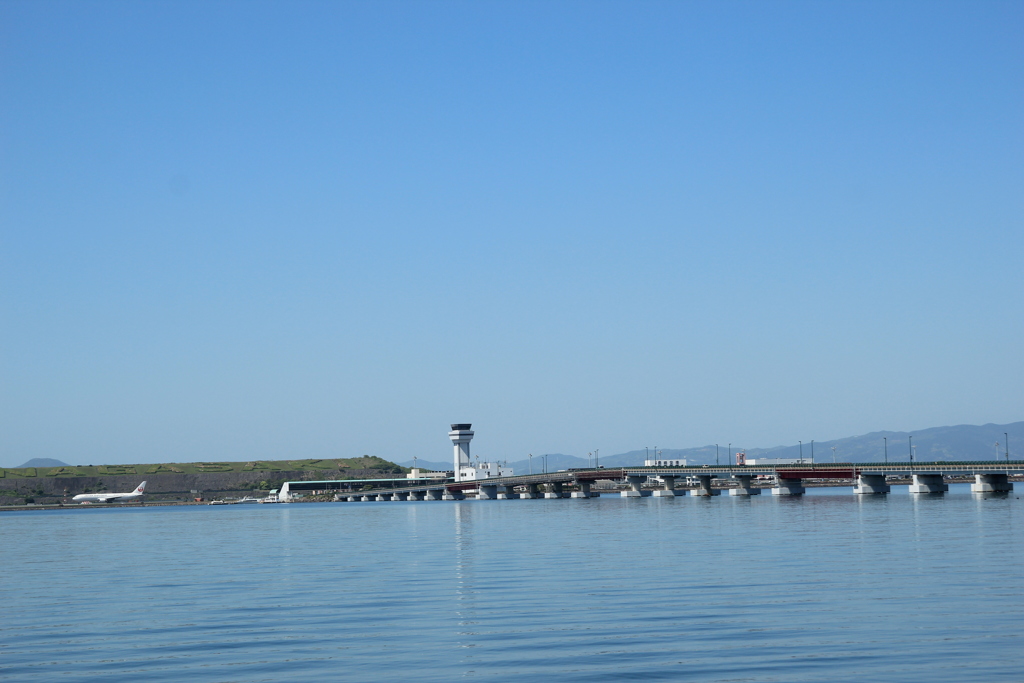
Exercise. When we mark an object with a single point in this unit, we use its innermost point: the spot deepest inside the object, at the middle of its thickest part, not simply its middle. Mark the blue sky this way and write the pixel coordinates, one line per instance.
(236, 231)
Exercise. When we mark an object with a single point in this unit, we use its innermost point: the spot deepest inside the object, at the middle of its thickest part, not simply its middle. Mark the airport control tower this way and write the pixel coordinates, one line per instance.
(461, 435)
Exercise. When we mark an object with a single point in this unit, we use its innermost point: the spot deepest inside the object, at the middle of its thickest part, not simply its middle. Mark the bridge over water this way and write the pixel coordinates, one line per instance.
(786, 480)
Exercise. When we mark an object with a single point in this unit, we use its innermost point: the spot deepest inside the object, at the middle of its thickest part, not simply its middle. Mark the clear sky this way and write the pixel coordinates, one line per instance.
(243, 230)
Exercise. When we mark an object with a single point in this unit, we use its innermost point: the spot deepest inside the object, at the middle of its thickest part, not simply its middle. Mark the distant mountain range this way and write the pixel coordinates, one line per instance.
(962, 442)
(44, 462)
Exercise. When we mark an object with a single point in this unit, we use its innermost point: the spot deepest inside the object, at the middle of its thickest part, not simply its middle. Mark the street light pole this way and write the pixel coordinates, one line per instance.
(801, 452)
(812, 451)
(531, 463)
(1006, 442)
(910, 449)
(716, 453)
(833, 455)
(886, 440)
(597, 463)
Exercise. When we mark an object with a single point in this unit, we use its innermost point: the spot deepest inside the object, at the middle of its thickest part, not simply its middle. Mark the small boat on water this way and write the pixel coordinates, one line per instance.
(248, 499)
(219, 502)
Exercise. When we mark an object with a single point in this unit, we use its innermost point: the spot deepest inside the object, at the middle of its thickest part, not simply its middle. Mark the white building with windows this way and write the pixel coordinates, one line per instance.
(417, 473)
(484, 470)
(681, 462)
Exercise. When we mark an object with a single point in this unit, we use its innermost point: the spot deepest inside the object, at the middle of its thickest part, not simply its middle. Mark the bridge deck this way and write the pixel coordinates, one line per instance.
(817, 471)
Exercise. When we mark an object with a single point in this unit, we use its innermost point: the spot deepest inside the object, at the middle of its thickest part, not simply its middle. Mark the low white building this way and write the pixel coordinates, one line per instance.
(681, 462)
(417, 473)
(483, 470)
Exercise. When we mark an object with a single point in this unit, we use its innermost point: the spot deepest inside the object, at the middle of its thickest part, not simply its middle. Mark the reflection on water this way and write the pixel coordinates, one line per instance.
(828, 586)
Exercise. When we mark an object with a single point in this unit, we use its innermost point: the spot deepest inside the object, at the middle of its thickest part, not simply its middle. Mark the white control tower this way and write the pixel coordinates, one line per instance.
(461, 435)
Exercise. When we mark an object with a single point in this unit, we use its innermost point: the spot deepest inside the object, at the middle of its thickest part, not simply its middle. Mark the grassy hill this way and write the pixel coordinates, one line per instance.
(177, 481)
(332, 465)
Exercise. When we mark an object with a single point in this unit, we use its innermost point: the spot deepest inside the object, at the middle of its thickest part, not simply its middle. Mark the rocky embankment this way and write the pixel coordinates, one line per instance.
(166, 486)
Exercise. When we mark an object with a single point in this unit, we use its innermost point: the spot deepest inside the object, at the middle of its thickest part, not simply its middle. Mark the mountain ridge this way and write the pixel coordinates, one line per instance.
(44, 462)
(950, 442)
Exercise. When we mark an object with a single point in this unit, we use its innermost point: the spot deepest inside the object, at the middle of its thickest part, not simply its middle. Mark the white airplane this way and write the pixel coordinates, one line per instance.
(110, 497)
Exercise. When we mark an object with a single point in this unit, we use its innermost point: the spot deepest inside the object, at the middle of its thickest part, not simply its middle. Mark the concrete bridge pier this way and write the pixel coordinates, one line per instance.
(353, 499)
(789, 487)
(366, 499)
(670, 488)
(555, 490)
(415, 495)
(744, 488)
(383, 496)
(634, 490)
(704, 487)
(434, 494)
(488, 492)
(930, 482)
(991, 483)
(453, 495)
(506, 492)
(584, 491)
(531, 492)
(871, 483)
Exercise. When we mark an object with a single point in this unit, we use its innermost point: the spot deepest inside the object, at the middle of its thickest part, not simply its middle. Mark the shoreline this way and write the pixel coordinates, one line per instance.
(174, 503)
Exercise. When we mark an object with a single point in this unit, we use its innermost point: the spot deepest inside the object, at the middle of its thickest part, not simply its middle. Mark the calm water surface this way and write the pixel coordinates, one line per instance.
(830, 586)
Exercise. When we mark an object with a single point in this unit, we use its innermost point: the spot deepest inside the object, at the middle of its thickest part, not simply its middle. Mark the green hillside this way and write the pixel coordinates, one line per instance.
(366, 462)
